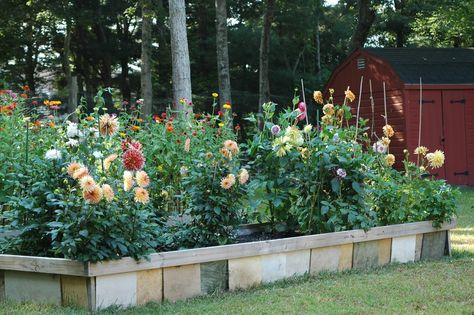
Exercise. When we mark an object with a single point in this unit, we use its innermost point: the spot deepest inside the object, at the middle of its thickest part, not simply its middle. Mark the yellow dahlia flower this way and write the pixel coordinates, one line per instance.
(436, 159)
(390, 159)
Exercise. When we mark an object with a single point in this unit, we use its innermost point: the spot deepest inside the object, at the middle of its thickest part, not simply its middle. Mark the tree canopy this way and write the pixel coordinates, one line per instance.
(100, 43)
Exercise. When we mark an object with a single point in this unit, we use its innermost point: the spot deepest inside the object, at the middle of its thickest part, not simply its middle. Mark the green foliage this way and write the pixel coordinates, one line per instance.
(216, 194)
(49, 209)
(82, 190)
(411, 196)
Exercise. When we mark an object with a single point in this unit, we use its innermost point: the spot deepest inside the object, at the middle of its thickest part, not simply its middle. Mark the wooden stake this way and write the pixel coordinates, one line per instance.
(372, 105)
(358, 105)
(419, 125)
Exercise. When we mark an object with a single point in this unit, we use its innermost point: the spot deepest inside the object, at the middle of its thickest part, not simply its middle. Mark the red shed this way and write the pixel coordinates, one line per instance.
(447, 101)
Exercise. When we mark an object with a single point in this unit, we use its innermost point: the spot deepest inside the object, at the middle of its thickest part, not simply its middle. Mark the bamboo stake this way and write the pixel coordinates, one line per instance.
(419, 125)
(304, 101)
(385, 103)
(372, 105)
(358, 105)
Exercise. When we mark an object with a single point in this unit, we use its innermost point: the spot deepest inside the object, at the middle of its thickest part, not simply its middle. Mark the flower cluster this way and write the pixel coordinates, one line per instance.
(382, 145)
(133, 158)
(91, 191)
(433, 159)
(230, 149)
(293, 138)
(229, 181)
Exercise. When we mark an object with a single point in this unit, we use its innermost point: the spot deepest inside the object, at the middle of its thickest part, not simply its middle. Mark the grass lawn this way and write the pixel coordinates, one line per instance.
(436, 287)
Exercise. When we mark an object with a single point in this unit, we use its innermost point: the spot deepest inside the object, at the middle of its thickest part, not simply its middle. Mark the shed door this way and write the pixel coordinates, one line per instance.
(454, 112)
(432, 124)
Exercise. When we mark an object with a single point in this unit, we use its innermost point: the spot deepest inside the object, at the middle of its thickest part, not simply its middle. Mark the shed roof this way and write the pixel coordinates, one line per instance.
(433, 65)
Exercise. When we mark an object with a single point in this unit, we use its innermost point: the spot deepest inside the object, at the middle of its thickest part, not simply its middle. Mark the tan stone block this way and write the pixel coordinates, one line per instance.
(181, 282)
(297, 262)
(149, 286)
(385, 248)
(419, 243)
(74, 291)
(434, 245)
(331, 258)
(33, 287)
(214, 276)
(2, 286)
(403, 249)
(117, 289)
(345, 258)
(273, 267)
(325, 259)
(366, 255)
(245, 272)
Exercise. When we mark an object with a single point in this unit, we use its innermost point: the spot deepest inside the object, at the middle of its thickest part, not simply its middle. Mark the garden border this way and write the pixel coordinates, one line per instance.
(181, 274)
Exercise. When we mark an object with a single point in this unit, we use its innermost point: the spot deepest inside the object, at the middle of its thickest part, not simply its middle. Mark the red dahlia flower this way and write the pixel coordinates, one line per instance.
(133, 159)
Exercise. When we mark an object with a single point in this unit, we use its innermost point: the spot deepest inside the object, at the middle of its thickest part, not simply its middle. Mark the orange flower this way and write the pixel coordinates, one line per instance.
(108, 192)
(228, 181)
(349, 95)
(187, 145)
(170, 129)
(89, 118)
(24, 95)
(94, 196)
(243, 176)
(87, 183)
(51, 124)
(108, 125)
(143, 180)
(141, 195)
(72, 168)
(318, 97)
(135, 128)
(232, 146)
(225, 152)
(388, 131)
(127, 180)
(80, 173)
(26, 88)
(108, 160)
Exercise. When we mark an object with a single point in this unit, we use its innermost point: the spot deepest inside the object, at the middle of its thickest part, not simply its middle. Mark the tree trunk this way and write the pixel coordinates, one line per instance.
(400, 31)
(123, 35)
(71, 106)
(318, 43)
(72, 97)
(365, 20)
(30, 64)
(264, 83)
(146, 83)
(180, 56)
(223, 73)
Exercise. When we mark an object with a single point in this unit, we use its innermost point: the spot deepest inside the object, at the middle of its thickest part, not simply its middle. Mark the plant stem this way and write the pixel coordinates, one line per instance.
(27, 142)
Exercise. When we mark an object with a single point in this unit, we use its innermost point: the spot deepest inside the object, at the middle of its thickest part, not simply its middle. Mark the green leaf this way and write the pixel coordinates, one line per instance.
(335, 185)
(356, 187)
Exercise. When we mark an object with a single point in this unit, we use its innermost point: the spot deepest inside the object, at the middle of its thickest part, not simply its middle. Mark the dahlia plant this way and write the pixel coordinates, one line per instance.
(216, 185)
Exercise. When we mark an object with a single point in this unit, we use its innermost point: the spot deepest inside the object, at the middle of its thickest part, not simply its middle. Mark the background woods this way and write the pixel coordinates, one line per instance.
(68, 49)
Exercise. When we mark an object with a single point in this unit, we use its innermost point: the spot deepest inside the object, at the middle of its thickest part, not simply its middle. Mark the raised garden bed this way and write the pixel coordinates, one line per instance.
(182, 274)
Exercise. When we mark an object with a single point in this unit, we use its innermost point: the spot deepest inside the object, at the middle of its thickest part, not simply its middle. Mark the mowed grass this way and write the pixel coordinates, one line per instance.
(427, 287)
